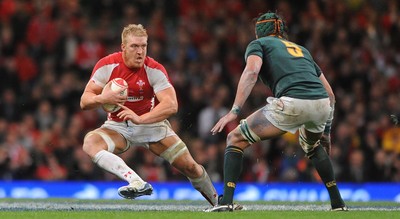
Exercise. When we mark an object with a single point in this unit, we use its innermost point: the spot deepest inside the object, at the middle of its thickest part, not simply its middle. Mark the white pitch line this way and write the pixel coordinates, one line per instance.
(65, 206)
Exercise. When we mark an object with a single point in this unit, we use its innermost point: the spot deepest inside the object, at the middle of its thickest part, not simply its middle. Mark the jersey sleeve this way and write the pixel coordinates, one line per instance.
(254, 48)
(158, 77)
(317, 69)
(102, 71)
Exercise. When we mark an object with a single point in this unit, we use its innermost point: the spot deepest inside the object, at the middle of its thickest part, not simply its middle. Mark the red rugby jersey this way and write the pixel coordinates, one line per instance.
(143, 83)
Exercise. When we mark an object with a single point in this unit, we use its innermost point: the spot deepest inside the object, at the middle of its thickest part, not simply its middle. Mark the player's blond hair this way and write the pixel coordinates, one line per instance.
(133, 29)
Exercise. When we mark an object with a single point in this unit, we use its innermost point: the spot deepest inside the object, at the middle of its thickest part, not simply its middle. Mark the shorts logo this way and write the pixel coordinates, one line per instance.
(231, 184)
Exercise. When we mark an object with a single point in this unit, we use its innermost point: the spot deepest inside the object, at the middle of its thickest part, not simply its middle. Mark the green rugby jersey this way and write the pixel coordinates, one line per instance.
(288, 69)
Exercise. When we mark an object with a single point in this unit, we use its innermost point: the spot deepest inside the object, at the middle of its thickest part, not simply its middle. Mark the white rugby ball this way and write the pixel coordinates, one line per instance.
(116, 84)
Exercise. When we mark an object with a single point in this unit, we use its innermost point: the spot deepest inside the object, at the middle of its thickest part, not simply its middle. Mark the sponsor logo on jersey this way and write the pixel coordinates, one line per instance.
(134, 99)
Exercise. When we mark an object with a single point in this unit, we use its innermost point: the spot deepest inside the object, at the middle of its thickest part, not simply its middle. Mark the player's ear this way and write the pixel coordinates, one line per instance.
(122, 46)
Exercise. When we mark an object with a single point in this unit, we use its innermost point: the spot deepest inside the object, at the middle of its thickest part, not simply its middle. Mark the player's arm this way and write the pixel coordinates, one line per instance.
(93, 96)
(246, 83)
(326, 138)
(328, 89)
(167, 106)
(247, 80)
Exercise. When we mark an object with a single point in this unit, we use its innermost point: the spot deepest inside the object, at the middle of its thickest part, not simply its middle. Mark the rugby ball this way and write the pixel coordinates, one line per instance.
(116, 84)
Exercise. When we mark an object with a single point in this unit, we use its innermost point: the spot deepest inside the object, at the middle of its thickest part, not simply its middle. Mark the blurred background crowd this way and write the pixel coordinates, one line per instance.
(49, 47)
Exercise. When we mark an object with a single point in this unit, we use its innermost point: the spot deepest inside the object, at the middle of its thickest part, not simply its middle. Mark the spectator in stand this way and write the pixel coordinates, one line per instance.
(90, 50)
(211, 114)
(356, 171)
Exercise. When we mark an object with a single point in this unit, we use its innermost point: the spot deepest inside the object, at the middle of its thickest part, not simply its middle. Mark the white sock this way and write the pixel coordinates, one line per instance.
(204, 185)
(114, 164)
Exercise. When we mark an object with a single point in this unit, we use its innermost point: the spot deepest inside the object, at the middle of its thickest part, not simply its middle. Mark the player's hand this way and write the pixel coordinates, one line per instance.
(113, 96)
(326, 142)
(222, 122)
(394, 119)
(128, 114)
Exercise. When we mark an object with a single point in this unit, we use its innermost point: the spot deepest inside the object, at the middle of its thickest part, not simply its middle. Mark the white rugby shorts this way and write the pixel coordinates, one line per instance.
(141, 135)
(289, 114)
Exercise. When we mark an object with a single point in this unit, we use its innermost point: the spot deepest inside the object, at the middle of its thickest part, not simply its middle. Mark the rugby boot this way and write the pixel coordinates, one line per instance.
(135, 189)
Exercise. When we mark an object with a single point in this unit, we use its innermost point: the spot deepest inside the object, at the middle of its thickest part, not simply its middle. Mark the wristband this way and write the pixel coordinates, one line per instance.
(235, 110)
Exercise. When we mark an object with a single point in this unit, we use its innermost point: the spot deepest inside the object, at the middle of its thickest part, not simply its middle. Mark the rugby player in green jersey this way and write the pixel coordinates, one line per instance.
(303, 101)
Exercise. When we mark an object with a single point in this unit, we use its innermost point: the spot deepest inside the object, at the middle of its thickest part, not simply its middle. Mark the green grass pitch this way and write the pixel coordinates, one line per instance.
(120, 209)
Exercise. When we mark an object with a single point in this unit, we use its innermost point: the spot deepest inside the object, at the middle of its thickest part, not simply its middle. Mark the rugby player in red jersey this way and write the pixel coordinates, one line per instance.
(142, 119)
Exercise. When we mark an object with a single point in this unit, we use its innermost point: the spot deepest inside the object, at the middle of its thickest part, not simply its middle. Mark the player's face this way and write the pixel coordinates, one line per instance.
(134, 51)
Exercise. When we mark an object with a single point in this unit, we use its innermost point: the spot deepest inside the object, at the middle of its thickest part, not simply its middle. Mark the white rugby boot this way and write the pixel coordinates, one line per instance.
(228, 207)
(343, 208)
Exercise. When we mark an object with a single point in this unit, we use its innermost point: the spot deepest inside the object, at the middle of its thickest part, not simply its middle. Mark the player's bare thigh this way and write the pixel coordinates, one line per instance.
(103, 139)
(258, 124)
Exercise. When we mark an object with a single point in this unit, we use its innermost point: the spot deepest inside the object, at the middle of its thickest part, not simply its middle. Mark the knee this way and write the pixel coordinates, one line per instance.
(90, 146)
(87, 145)
(232, 138)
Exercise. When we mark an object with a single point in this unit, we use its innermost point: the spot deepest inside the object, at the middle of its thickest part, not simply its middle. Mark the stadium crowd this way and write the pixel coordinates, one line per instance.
(48, 48)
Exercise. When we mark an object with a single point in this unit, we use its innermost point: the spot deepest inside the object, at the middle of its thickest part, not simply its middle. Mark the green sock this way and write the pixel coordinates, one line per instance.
(233, 162)
(323, 165)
